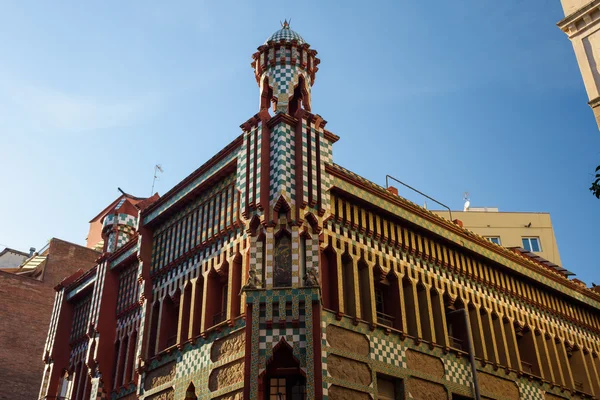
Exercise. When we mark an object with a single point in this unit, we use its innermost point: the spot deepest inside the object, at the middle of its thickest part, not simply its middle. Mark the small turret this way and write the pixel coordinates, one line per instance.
(285, 69)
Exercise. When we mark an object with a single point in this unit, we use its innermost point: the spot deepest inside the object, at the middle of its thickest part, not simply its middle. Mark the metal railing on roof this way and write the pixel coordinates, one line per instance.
(388, 177)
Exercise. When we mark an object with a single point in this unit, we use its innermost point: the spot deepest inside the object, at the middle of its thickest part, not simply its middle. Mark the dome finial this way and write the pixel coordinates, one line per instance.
(285, 24)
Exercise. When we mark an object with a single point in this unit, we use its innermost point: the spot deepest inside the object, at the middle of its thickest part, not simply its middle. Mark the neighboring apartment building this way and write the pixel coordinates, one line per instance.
(26, 299)
(582, 26)
(273, 273)
(531, 231)
(11, 258)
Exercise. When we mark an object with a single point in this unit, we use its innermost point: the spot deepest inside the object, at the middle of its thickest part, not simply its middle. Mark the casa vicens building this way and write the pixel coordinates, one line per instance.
(271, 272)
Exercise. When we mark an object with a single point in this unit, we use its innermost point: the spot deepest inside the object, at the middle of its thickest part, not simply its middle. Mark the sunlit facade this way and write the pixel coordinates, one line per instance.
(271, 272)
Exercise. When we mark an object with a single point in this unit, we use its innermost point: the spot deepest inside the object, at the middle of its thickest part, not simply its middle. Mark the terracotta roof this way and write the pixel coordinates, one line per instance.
(107, 209)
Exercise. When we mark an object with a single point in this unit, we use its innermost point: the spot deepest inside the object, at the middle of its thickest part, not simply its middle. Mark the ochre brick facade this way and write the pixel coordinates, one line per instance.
(25, 309)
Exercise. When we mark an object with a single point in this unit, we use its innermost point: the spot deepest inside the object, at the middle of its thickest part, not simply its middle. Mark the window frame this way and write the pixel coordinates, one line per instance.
(489, 239)
(529, 241)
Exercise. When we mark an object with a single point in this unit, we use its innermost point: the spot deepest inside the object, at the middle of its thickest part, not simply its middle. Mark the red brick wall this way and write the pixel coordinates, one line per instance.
(25, 310)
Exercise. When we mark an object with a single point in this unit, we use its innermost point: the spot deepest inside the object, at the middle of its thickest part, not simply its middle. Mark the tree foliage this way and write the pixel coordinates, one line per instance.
(595, 188)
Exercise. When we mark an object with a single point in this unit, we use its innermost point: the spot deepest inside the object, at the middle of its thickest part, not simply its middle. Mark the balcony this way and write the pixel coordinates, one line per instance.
(527, 367)
(456, 343)
(219, 317)
(384, 319)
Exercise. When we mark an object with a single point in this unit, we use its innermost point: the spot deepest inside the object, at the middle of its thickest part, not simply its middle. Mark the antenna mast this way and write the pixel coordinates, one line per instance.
(467, 201)
(157, 168)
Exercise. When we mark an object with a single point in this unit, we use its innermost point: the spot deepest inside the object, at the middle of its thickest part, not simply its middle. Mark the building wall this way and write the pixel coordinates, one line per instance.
(511, 228)
(31, 300)
(94, 234)
(570, 6)
(582, 28)
(11, 260)
(350, 291)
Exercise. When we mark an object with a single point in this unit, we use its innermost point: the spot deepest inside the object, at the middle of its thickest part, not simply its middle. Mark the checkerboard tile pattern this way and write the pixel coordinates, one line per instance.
(270, 333)
(98, 392)
(126, 232)
(269, 243)
(528, 391)
(458, 372)
(285, 34)
(283, 79)
(126, 219)
(111, 242)
(312, 253)
(268, 338)
(193, 360)
(388, 352)
(282, 163)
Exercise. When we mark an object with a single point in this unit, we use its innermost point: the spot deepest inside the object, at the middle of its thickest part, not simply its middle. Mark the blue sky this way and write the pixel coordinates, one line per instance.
(473, 95)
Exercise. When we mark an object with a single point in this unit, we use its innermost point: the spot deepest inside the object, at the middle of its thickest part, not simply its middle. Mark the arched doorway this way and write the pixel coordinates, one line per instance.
(283, 379)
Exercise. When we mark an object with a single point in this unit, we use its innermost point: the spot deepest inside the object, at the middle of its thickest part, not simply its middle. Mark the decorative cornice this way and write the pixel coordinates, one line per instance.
(594, 102)
(237, 142)
(332, 137)
(463, 233)
(124, 253)
(577, 14)
(282, 117)
(581, 20)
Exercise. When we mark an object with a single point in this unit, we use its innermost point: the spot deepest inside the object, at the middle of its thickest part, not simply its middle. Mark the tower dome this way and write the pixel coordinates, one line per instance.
(285, 68)
(286, 34)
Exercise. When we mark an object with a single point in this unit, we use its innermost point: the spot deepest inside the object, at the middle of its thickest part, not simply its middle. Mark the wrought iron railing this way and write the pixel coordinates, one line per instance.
(219, 317)
(384, 319)
(527, 367)
(456, 343)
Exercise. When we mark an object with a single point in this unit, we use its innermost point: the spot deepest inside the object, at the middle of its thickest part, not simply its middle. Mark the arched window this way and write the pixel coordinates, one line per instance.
(190, 393)
(282, 261)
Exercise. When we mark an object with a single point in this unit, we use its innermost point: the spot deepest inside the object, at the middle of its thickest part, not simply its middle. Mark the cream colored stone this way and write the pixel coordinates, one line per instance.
(239, 395)
(349, 370)
(168, 394)
(425, 363)
(424, 390)
(570, 6)
(226, 375)
(500, 387)
(342, 393)
(160, 376)
(228, 346)
(345, 340)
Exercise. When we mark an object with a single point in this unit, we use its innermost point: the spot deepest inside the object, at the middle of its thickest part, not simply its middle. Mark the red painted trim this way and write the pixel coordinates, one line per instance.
(248, 354)
(300, 200)
(265, 169)
(331, 136)
(237, 142)
(317, 363)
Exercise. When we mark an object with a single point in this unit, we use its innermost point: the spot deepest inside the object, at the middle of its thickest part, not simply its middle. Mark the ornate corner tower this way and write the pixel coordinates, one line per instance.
(285, 68)
(285, 191)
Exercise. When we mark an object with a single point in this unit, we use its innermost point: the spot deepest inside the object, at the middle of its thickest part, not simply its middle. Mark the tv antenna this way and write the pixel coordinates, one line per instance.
(467, 201)
(157, 169)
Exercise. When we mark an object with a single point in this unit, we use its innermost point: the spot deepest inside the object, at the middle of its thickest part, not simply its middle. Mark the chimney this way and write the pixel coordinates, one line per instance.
(458, 222)
(392, 190)
(31, 251)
